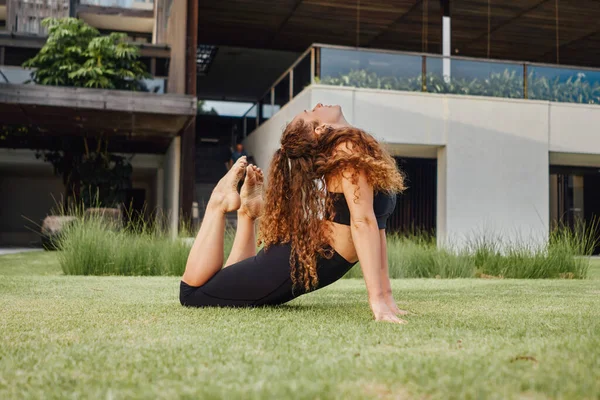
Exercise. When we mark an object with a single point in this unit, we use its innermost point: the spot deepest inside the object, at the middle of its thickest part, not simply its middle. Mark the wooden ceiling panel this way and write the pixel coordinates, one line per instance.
(470, 17)
(519, 30)
(406, 33)
(336, 21)
(532, 34)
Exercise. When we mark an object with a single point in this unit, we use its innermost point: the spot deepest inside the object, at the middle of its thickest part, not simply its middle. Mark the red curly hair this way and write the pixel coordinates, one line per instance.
(296, 202)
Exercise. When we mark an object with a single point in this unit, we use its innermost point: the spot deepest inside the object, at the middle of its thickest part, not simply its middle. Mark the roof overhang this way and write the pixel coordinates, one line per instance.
(75, 111)
(517, 30)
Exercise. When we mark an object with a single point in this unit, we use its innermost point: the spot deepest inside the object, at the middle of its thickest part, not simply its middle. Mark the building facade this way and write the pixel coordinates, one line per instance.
(489, 107)
(151, 129)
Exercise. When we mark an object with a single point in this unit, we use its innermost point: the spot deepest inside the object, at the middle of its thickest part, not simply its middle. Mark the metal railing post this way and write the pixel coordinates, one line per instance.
(424, 74)
(257, 115)
(312, 66)
(318, 63)
(525, 83)
(272, 99)
(291, 85)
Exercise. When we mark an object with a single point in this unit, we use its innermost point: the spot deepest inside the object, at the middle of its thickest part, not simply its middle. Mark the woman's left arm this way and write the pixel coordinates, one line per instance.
(386, 286)
(365, 235)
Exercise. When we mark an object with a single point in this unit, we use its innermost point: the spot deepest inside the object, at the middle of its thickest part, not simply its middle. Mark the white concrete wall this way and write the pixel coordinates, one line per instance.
(574, 128)
(496, 168)
(493, 153)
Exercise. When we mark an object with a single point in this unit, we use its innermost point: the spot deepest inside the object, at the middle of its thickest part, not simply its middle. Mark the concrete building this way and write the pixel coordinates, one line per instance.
(489, 107)
(149, 128)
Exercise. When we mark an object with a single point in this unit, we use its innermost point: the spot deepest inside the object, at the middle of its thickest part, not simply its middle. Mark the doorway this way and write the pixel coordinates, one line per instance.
(574, 197)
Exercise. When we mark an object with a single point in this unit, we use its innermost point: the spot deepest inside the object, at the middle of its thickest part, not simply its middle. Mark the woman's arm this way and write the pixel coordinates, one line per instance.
(365, 235)
(385, 277)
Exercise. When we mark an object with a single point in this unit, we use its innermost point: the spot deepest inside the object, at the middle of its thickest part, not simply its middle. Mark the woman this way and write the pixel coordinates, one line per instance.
(331, 189)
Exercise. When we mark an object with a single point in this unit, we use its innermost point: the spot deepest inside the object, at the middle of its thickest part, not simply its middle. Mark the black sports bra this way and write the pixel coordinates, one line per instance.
(383, 205)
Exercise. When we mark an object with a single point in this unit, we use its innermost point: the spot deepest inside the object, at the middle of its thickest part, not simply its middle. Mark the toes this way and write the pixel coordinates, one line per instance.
(241, 162)
(250, 174)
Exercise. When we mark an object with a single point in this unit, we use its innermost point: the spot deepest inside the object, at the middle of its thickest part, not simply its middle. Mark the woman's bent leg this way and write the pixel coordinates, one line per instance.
(244, 244)
(206, 255)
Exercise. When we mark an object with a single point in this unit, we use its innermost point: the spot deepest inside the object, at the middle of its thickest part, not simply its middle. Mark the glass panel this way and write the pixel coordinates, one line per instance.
(156, 85)
(137, 4)
(475, 78)
(367, 69)
(282, 93)
(563, 84)
(266, 109)
(302, 75)
(16, 75)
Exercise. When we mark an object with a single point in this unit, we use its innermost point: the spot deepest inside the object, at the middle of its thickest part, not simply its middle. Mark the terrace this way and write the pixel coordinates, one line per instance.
(428, 73)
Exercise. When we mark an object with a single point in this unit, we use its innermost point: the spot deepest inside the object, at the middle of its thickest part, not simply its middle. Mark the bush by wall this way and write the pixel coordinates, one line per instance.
(507, 84)
(89, 247)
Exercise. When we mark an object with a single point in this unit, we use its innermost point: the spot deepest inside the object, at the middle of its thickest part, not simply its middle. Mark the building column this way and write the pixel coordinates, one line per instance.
(160, 22)
(483, 193)
(160, 189)
(188, 137)
(441, 200)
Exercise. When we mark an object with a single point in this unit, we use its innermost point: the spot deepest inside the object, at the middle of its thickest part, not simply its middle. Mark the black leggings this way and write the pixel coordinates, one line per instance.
(260, 280)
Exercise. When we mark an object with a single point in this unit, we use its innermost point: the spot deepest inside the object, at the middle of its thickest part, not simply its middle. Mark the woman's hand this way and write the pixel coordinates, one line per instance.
(389, 301)
(382, 312)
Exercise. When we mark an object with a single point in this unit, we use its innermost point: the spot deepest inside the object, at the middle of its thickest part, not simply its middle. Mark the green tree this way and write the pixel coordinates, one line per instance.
(76, 55)
(202, 108)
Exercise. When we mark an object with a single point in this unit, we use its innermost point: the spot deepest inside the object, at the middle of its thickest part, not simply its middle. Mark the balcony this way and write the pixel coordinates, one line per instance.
(129, 4)
(493, 127)
(150, 116)
(17, 76)
(430, 73)
(118, 15)
(25, 16)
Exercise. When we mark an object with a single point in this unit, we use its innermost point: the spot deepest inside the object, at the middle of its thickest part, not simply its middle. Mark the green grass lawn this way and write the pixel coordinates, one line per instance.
(128, 337)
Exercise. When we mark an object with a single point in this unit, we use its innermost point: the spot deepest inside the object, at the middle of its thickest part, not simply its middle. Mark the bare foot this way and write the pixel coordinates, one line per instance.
(225, 196)
(252, 192)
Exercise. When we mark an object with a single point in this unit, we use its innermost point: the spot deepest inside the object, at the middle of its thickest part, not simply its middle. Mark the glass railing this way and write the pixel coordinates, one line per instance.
(369, 69)
(18, 75)
(432, 73)
(290, 84)
(15, 75)
(154, 85)
(475, 78)
(250, 119)
(563, 84)
(133, 4)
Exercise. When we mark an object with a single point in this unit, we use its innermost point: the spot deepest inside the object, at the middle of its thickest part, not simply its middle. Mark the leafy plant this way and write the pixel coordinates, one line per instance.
(95, 177)
(76, 55)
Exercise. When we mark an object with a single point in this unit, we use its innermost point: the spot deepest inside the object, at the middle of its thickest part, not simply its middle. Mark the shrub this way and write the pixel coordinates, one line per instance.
(90, 247)
(507, 84)
(565, 256)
